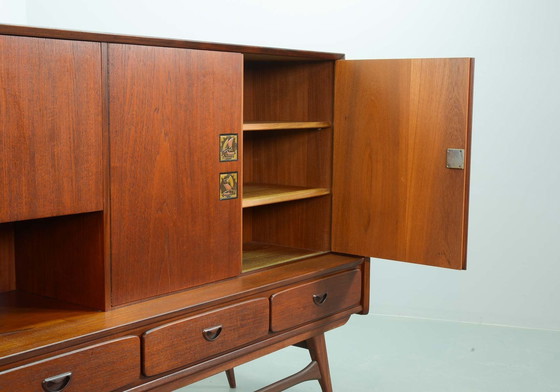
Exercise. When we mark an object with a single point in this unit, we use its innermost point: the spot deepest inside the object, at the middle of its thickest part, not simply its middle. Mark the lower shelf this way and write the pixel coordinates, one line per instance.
(21, 311)
(257, 255)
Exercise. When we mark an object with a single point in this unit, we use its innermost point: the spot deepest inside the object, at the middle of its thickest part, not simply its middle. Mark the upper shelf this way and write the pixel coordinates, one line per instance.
(269, 126)
(262, 194)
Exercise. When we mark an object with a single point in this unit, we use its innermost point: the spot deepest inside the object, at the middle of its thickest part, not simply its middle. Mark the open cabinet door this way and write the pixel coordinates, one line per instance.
(401, 159)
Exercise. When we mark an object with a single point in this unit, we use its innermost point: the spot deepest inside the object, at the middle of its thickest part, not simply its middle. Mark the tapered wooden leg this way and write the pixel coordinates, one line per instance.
(318, 350)
(231, 378)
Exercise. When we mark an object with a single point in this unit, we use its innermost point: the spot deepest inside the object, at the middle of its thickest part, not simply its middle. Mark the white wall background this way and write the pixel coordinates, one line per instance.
(513, 275)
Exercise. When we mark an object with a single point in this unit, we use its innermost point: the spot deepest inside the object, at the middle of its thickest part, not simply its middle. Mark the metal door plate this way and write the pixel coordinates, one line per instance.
(455, 158)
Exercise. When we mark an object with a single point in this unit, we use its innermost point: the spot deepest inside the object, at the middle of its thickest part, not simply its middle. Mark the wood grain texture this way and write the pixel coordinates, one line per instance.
(62, 258)
(182, 343)
(50, 128)
(254, 52)
(393, 196)
(263, 194)
(269, 126)
(301, 224)
(102, 367)
(7, 258)
(32, 325)
(290, 92)
(289, 158)
(296, 305)
(169, 229)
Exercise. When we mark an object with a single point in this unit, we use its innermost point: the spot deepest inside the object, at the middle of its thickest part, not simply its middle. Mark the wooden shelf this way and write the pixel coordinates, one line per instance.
(257, 255)
(269, 126)
(22, 312)
(262, 194)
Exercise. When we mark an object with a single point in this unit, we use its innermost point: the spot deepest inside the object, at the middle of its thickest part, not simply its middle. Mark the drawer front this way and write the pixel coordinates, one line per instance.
(312, 301)
(102, 367)
(188, 340)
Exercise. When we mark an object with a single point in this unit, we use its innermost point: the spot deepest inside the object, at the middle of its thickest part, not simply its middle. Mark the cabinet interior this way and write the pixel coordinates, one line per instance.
(59, 257)
(287, 160)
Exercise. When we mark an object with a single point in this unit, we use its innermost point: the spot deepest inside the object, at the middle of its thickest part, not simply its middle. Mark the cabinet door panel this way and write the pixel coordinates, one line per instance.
(393, 196)
(50, 128)
(169, 228)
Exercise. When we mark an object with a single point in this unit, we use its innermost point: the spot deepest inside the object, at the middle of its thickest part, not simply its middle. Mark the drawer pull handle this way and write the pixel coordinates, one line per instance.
(319, 299)
(57, 383)
(212, 334)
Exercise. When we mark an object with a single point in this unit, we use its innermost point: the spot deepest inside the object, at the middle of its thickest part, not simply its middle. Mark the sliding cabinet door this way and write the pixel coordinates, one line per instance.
(174, 224)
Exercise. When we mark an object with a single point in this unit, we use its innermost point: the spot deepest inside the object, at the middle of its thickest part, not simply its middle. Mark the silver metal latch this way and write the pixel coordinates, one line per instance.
(455, 158)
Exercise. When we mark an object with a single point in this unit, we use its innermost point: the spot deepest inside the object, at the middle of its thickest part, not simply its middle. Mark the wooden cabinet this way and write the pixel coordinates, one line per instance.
(188, 200)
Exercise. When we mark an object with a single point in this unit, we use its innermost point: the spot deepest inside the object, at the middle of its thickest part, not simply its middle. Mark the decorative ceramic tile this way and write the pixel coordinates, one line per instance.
(228, 147)
(228, 185)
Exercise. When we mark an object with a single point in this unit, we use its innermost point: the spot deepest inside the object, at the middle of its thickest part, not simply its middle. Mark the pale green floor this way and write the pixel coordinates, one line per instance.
(396, 354)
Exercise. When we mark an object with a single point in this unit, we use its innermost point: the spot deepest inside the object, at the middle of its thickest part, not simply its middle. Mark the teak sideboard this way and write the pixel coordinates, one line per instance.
(172, 209)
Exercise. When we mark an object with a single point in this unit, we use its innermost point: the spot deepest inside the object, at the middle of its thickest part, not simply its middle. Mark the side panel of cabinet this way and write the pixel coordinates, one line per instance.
(50, 128)
(393, 196)
(169, 228)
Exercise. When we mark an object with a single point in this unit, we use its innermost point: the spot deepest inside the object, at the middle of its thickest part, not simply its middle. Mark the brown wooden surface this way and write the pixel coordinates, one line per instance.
(247, 225)
(257, 255)
(296, 306)
(263, 194)
(31, 325)
(50, 128)
(102, 367)
(318, 352)
(393, 196)
(270, 126)
(298, 224)
(366, 271)
(7, 258)
(62, 258)
(290, 92)
(172, 381)
(230, 374)
(253, 52)
(289, 158)
(181, 342)
(169, 229)
(107, 174)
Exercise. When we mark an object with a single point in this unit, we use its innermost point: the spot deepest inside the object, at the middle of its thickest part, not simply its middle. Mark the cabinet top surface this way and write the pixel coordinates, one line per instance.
(251, 52)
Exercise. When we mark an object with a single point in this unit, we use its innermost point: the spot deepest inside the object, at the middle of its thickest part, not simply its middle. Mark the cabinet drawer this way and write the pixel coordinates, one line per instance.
(102, 367)
(314, 300)
(188, 340)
